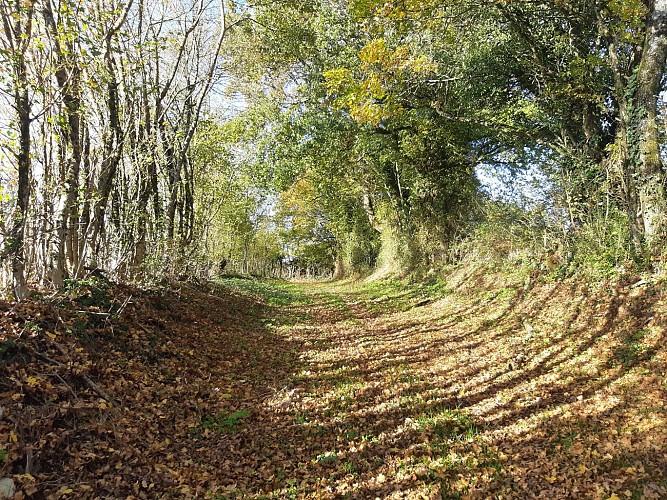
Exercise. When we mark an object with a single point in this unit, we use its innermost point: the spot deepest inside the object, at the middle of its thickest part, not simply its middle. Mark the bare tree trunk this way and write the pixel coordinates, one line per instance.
(17, 27)
(114, 140)
(145, 164)
(23, 192)
(68, 77)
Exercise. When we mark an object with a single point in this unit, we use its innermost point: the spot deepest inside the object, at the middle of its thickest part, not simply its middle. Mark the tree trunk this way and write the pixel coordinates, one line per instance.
(113, 138)
(339, 269)
(17, 38)
(23, 192)
(68, 76)
(644, 142)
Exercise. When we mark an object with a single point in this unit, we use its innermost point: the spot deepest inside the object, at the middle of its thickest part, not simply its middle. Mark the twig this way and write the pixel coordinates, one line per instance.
(641, 282)
(28, 460)
(55, 344)
(123, 306)
(92, 385)
(41, 356)
(96, 388)
(95, 313)
(62, 380)
(79, 408)
(146, 330)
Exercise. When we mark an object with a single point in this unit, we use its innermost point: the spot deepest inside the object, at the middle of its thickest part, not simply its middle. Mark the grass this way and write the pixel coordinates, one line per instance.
(326, 458)
(223, 422)
(446, 425)
(301, 418)
(393, 295)
(276, 293)
(632, 349)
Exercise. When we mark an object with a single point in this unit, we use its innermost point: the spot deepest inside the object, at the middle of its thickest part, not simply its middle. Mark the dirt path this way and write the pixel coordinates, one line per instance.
(273, 390)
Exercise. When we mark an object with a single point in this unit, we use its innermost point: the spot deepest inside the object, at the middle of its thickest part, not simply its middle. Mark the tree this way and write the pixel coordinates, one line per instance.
(580, 77)
(643, 156)
(107, 99)
(17, 21)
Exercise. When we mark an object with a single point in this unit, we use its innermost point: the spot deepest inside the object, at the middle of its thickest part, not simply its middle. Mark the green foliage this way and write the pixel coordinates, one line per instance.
(231, 201)
(366, 122)
(506, 233)
(358, 249)
(223, 422)
(273, 292)
(88, 292)
(326, 458)
(304, 227)
(446, 425)
(600, 248)
(352, 143)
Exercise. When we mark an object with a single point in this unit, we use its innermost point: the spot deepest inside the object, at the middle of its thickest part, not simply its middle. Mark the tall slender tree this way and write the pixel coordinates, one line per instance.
(17, 22)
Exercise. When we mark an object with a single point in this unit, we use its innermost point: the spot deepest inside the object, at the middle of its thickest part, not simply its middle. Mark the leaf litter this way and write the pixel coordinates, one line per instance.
(488, 388)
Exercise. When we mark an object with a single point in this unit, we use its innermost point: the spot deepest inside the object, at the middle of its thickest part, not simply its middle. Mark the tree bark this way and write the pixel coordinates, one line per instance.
(644, 149)
(23, 193)
(17, 24)
(114, 138)
(68, 76)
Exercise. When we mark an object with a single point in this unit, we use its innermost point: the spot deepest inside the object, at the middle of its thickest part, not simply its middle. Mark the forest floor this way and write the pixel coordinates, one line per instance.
(481, 385)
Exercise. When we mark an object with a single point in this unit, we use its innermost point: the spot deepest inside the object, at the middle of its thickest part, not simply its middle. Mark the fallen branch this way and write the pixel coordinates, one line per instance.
(79, 408)
(62, 381)
(92, 385)
(123, 306)
(41, 356)
(94, 313)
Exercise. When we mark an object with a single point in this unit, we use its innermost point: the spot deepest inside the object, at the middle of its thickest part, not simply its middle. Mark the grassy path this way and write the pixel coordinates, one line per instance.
(418, 392)
(357, 419)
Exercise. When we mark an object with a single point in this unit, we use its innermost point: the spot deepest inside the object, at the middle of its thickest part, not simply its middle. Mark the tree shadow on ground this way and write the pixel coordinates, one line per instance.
(360, 401)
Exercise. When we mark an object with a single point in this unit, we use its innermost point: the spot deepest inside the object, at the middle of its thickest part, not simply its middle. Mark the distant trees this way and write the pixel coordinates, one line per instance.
(18, 20)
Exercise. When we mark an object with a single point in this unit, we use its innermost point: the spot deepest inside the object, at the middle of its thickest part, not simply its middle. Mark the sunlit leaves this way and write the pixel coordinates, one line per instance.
(382, 71)
(627, 19)
(339, 80)
(304, 225)
(375, 53)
